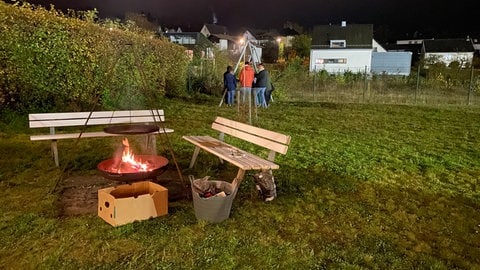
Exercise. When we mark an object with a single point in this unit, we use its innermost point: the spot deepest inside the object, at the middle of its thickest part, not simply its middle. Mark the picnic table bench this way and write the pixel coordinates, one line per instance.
(273, 141)
(95, 118)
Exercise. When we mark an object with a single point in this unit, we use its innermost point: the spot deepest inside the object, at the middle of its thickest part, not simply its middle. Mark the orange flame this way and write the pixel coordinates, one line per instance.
(128, 158)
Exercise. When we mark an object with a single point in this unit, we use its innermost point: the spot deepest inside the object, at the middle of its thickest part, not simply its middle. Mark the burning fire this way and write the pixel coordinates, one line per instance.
(129, 163)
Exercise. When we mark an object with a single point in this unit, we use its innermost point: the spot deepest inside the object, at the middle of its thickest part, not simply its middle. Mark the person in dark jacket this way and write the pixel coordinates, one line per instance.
(230, 84)
(261, 80)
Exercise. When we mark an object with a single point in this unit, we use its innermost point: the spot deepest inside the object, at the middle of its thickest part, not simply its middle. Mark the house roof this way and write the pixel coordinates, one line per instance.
(355, 35)
(226, 37)
(448, 45)
(215, 29)
(289, 32)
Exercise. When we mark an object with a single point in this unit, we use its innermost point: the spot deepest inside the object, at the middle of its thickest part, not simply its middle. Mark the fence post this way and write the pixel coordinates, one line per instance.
(365, 84)
(470, 90)
(314, 77)
(418, 83)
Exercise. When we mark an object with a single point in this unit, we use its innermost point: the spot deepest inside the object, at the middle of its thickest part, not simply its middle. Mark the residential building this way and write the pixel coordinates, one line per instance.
(195, 43)
(352, 48)
(341, 48)
(448, 50)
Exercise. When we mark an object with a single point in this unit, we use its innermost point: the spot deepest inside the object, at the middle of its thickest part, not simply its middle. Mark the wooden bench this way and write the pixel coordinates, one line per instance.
(96, 118)
(273, 141)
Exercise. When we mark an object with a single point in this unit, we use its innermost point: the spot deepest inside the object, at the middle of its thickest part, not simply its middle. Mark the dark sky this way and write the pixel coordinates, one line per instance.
(429, 18)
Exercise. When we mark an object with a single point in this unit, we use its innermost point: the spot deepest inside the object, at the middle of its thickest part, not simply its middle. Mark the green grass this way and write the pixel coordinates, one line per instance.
(362, 187)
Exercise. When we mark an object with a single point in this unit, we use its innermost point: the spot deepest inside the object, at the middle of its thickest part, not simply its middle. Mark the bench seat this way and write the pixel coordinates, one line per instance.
(242, 159)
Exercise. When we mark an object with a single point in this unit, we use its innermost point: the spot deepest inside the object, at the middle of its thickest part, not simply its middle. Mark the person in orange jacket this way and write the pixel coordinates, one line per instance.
(246, 77)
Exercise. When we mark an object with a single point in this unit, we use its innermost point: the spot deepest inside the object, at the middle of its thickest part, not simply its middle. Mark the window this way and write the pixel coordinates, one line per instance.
(338, 43)
(182, 39)
(321, 61)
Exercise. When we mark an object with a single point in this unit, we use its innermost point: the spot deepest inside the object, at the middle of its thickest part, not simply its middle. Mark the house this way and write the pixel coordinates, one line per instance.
(448, 50)
(289, 32)
(196, 43)
(220, 36)
(351, 48)
(341, 48)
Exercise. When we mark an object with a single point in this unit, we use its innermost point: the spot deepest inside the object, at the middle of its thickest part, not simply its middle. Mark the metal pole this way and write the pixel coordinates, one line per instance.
(418, 83)
(470, 90)
(314, 77)
(250, 107)
(365, 84)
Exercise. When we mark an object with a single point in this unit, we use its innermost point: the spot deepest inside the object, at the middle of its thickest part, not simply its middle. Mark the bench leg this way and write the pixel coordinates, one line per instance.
(240, 174)
(194, 156)
(55, 152)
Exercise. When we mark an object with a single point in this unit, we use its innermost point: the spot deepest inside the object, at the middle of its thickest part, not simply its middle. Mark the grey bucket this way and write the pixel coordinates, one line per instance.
(214, 209)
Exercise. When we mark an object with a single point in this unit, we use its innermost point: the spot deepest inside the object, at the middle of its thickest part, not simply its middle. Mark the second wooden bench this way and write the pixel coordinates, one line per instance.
(273, 141)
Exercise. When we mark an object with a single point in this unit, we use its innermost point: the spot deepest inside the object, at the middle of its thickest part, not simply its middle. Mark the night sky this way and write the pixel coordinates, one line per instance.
(400, 19)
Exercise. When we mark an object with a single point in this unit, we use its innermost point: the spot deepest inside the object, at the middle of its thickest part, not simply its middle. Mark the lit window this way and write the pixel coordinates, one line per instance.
(320, 61)
(338, 44)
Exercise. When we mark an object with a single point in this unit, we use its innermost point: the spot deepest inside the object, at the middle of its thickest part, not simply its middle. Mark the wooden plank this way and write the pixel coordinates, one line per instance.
(60, 136)
(95, 114)
(272, 145)
(97, 118)
(231, 154)
(91, 122)
(271, 135)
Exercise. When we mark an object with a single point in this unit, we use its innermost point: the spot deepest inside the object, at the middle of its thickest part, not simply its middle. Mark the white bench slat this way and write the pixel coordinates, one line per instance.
(96, 118)
(60, 136)
(91, 122)
(95, 114)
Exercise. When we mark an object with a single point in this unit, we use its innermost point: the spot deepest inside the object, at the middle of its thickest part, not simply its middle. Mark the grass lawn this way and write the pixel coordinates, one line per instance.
(361, 187)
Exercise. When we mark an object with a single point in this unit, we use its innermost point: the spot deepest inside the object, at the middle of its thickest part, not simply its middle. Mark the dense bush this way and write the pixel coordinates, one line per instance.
(52, 60)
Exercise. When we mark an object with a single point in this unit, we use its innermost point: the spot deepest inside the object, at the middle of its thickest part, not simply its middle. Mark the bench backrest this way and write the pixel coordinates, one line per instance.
(276, 142)
(68, 119)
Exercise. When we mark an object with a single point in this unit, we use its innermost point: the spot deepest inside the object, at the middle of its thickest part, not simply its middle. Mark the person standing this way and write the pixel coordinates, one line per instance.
(268, 91)
(246, 76)
(230, 85)
(261, 81)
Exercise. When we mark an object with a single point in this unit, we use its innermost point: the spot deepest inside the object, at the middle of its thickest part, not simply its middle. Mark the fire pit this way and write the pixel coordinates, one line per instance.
(132, 168)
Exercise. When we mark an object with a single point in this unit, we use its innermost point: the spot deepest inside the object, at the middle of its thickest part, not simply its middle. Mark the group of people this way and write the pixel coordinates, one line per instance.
(249, 79)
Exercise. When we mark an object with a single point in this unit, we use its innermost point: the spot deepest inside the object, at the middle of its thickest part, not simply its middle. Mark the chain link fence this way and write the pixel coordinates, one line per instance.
(423, 86)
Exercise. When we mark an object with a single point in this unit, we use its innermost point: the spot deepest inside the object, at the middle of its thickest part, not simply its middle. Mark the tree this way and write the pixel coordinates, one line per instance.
(301, 45)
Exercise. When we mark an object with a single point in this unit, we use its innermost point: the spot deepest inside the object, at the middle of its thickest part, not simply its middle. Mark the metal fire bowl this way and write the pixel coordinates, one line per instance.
(131, 129)
(157, 163)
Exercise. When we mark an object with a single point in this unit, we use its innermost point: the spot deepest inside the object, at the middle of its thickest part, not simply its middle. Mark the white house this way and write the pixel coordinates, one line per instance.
(448, 51)
(341, 48)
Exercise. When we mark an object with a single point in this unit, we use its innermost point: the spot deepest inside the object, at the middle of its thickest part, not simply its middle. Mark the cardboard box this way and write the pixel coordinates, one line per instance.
(127, 203)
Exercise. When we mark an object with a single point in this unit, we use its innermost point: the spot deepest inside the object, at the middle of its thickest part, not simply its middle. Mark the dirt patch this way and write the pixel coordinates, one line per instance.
(79, 193)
